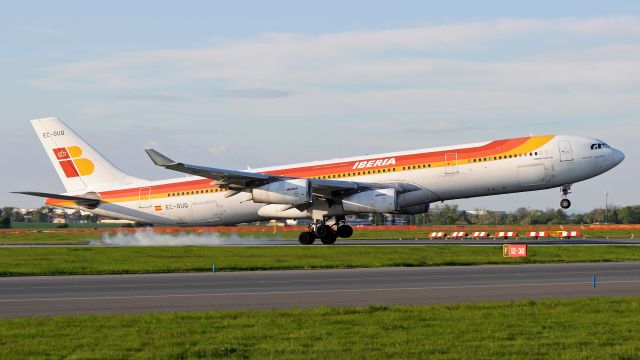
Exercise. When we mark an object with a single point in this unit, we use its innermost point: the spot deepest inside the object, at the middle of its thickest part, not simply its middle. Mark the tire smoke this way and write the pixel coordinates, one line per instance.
(145, 237)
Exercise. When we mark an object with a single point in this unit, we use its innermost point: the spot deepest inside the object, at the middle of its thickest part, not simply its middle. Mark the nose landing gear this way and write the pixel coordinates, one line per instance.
(566, 190)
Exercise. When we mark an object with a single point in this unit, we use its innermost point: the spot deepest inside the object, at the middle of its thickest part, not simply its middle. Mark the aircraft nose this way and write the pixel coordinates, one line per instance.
(618, 156)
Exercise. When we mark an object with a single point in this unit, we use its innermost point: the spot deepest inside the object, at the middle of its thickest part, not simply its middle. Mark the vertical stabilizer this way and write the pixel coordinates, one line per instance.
(79, 166)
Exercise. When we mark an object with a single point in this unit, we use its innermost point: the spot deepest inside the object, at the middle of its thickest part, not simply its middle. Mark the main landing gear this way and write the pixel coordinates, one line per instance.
(327, 233)
(566, 190)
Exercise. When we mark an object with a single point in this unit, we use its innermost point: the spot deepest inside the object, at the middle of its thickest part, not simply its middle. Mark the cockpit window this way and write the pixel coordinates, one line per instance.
(600, 146)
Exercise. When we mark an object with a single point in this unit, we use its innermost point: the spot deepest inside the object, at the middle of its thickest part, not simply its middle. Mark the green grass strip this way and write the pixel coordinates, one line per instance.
(70, 238)
(593, 328)
(117, 260)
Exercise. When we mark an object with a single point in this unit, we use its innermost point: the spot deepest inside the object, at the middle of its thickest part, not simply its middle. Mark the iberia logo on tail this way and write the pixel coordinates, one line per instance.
(71, 162)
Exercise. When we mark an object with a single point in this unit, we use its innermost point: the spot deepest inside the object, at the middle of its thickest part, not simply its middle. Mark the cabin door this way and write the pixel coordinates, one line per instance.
(144, 198)
(565, 150)
(451, 163)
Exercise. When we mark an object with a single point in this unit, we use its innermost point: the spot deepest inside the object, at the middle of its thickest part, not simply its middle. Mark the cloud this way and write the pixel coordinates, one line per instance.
(495, 69)
(256, 67)
(164, 98)
(218, 150)
(251, 93)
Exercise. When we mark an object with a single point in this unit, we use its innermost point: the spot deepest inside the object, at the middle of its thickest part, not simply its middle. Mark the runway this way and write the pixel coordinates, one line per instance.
(55, 295)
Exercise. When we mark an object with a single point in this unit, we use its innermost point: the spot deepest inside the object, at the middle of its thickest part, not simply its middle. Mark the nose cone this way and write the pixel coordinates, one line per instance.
(618, 156)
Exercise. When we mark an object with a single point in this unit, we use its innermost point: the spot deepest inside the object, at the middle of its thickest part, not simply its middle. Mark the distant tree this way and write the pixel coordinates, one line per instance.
(447, 215)
(5, 218)
(463, 218)
(629, 215)
(522, 216)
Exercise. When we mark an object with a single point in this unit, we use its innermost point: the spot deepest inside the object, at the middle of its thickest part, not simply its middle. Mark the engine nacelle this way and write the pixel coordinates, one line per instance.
(414, 210)
(372, 201)
(291, 192)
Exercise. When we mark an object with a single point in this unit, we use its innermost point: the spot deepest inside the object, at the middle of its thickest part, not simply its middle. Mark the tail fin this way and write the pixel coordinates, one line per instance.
(79, 166)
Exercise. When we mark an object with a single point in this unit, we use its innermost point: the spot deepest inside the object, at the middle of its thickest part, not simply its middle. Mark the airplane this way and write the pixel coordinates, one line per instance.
(404, 182)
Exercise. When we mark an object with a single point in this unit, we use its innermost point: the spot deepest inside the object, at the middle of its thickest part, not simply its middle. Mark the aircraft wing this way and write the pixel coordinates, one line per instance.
(80, 200)
(234, 179)
(243, 180)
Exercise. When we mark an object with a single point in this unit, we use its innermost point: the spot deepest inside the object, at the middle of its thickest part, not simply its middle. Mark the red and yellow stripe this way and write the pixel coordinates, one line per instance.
(493, 151)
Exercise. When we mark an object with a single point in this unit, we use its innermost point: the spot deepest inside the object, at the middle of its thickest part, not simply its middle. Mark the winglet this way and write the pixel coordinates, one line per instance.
(159, 159)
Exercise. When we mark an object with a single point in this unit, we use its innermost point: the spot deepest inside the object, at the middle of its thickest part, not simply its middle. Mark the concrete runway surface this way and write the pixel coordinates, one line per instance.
(55, 295)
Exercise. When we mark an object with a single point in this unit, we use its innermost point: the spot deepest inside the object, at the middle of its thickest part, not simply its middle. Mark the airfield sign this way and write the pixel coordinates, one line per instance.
(514, 250)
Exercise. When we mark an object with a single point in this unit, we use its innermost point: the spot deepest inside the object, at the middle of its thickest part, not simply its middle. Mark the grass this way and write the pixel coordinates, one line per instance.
(594, 328)
(118, 260)
(70, 238)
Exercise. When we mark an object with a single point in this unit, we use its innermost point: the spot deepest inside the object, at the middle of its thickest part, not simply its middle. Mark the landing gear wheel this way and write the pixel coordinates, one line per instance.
(307, 238)
(329, 239)
(565, 203)
(344, 231)
(323, 230)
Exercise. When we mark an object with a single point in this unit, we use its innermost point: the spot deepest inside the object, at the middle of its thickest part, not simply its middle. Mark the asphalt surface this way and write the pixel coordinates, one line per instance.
(54, 295)
(204, 241)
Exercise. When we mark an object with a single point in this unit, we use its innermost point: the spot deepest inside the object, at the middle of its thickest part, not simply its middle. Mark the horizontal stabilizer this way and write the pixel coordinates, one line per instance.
(82, 201)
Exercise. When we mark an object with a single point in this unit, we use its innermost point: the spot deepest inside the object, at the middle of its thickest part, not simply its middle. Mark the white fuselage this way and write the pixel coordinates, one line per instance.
(560, 160)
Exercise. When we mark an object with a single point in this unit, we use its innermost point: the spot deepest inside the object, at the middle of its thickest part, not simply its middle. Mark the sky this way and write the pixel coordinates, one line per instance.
(237, 84)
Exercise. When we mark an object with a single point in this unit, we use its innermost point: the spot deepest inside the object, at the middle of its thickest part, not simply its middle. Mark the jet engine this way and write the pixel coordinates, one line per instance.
(414, 210)
(377, 201)
(291, 192)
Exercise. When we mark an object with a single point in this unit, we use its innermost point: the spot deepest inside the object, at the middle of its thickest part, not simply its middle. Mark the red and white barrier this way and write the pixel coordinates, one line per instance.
(437, 235)
(458, 234)
(505, 234)
(480, 234)
(568, 234)
(537, 234)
